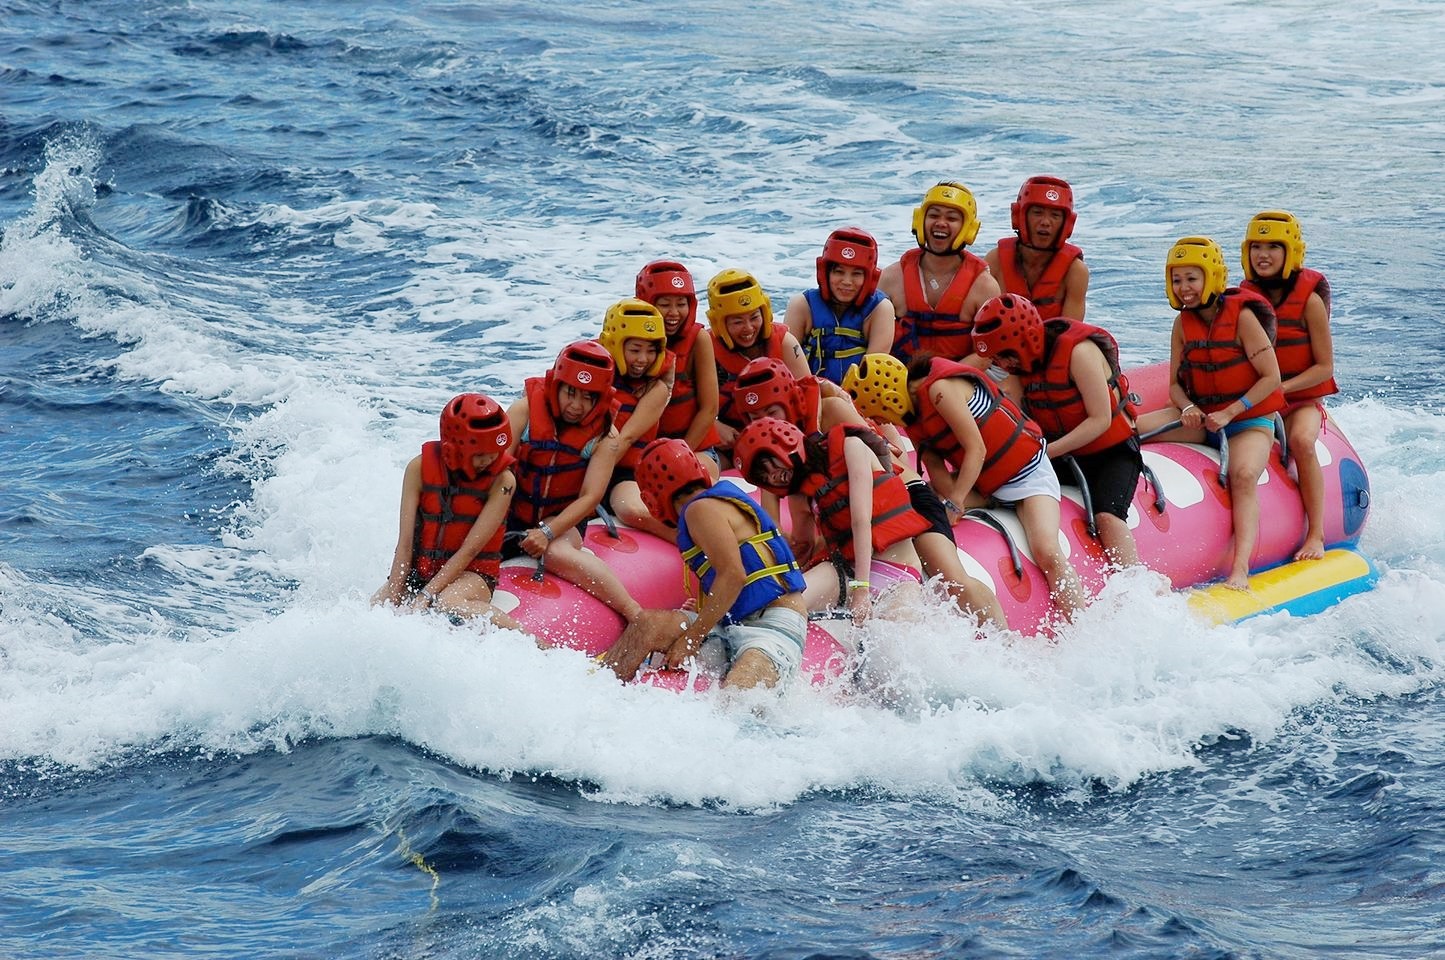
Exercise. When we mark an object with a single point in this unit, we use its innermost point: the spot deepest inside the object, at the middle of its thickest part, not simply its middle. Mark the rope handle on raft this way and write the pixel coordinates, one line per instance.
(1171, 425)
(541, 570)
(1090, 523)
(984, 517)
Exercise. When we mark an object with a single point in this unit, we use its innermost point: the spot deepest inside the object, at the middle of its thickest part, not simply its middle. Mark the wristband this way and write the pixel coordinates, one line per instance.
(855, 584)
(1244, 402)
(546, 531)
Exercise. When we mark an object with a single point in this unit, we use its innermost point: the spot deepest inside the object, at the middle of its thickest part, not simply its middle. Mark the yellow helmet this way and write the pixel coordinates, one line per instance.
(1203, 253)
(949, 193)
(1274, 226)
(733, 292)
(878, 385)
(633, 318)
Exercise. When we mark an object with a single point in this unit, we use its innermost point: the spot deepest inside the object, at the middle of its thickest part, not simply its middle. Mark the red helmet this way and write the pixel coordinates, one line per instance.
(667, 466)
(588, 366)
(1009, 322)
(664, 278)
(767, 437)
(470, 424)
(763, 382)
(850, 247)
(1043, 192)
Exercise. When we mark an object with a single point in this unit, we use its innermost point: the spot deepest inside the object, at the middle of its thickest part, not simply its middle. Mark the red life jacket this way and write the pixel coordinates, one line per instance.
(627, 394)
(730, 363)
(1047, 294)
(1011, 440)
(682, 407)
(1051, 397)
(894, 518)
(1213, 369)
(445, 513)
(552, 463)
(935, 329)
(1292, 344)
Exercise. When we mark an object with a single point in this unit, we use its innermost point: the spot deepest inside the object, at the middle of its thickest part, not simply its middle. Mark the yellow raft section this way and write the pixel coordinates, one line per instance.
(1299, 588)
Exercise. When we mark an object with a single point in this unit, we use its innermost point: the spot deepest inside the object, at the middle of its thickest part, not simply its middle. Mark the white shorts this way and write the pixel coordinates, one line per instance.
(1037, 481)
(777, 631)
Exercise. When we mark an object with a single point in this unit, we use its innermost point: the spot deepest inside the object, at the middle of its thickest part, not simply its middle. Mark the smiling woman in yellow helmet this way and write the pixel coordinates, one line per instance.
(1273, 257)
(1224, 379)
(741, 317)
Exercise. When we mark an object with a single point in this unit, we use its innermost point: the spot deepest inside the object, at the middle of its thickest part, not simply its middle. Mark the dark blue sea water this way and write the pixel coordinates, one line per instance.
(250, 248)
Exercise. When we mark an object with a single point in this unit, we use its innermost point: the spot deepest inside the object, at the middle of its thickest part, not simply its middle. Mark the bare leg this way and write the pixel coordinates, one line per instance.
(973, 597)
(1248, 453)
(626, 501)
(1302, 428)
(751, 669)
(1117, 540)
(1040, 517)
(468, 596)
(569, 561)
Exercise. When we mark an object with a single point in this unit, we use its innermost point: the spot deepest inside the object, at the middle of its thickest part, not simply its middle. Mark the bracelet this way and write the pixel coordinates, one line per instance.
(1244, 402)
(546, 531)
(1187, 409)
(431, 596)
(855, 584)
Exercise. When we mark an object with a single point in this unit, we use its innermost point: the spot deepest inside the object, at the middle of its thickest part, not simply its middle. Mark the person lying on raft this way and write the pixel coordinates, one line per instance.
(565, 446)
(1073, 388)
(1223, 379)
(692, 410)
(861, 507)
(768, 389)
(976, 444)
(454, 500)
(633, 333)
(751, 615)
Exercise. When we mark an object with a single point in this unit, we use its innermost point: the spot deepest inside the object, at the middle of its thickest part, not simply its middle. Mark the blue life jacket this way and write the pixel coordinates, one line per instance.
(772, 571)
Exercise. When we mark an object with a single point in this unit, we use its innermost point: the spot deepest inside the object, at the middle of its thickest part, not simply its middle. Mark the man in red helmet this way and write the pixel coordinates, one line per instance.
(1038, 262)
(751, 614)
(455, 495)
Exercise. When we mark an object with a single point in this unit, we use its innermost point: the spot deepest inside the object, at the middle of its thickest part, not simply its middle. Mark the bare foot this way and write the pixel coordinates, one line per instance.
(1238, 581)
(1313, 549)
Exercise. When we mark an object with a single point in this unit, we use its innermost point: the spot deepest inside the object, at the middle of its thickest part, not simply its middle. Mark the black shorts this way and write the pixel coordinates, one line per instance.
(1112, 475)
(927, 502)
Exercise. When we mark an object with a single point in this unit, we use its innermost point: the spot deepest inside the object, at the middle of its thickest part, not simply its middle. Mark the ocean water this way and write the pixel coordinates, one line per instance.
(248, 249)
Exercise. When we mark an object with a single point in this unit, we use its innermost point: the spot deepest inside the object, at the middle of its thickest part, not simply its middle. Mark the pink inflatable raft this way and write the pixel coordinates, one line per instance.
(1180, 519)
